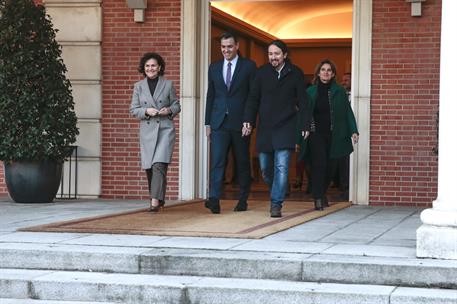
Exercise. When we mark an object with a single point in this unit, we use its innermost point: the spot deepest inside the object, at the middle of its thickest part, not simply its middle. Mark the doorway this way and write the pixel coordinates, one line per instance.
(195, 58)
(255, 24)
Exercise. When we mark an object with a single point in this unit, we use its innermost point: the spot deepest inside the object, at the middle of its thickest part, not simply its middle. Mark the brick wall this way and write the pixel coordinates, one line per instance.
(124, 42)
(405, 85)
(404, 103)
(3, 190)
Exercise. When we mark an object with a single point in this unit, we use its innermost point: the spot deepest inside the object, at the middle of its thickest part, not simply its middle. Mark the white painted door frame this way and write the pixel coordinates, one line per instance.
(195, 37)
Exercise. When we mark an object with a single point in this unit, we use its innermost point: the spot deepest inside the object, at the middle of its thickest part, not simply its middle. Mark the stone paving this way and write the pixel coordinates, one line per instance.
(358, 255)
(359, 230)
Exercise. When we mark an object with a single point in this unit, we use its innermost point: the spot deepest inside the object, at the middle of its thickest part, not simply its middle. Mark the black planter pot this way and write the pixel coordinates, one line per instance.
(33, 181)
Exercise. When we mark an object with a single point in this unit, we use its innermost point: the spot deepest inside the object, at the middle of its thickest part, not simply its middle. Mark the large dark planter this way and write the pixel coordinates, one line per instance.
(33, 181)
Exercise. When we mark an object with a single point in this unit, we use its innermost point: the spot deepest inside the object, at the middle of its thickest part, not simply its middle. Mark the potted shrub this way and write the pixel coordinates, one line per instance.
(37, 118)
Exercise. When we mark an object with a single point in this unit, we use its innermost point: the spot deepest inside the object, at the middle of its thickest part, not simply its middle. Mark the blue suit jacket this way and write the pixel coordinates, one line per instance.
(221, 102)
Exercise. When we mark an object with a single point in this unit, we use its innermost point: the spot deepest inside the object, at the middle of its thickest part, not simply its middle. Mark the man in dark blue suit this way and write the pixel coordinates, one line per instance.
(229, 82)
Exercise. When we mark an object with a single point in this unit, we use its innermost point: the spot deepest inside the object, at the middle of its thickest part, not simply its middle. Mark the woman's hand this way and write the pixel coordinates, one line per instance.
(164, 111)
(355, 138)
(152, 112)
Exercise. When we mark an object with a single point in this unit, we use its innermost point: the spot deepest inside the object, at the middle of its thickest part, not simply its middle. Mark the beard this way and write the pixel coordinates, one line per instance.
(274, 62)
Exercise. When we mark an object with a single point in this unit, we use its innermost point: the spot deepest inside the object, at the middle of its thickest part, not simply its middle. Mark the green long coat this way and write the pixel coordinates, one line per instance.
(343, 123)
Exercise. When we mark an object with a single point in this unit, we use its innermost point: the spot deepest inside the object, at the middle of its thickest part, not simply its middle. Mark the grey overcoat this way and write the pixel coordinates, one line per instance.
(157, 134)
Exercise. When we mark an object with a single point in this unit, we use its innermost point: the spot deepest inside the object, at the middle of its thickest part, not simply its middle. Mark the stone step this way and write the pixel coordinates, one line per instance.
(232, 264)
(31, 301)
(138, 288)
(303, 267)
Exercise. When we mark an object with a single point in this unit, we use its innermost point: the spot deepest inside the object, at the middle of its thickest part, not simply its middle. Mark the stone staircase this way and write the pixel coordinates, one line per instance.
(32, 273)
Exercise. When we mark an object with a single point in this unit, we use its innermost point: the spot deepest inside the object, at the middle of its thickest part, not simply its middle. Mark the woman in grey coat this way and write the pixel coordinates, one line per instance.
(155, 104)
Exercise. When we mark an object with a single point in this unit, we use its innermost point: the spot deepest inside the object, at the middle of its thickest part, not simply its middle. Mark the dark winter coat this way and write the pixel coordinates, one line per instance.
(278, 103)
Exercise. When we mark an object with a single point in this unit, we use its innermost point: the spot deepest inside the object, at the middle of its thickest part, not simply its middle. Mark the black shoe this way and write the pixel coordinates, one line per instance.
(325, 202)
(275, 211)
(213, 205)
(241, 206)
(154, 208)
(318, 204)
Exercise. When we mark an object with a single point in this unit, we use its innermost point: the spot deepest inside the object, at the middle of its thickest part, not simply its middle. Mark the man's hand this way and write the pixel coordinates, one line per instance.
(208, 131)
(247, 129)
(305, 134)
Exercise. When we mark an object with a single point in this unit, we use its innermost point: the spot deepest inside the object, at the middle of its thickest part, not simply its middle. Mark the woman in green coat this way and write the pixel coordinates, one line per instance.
(333, 129)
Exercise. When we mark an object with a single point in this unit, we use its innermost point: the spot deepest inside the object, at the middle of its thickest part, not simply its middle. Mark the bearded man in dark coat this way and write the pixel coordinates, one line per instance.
(278, 97)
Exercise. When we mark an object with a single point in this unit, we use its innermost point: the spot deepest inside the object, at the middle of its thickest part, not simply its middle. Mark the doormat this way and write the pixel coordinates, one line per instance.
(193, 219)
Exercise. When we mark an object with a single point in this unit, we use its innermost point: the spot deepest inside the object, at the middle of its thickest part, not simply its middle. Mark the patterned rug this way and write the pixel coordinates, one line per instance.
(191, 218)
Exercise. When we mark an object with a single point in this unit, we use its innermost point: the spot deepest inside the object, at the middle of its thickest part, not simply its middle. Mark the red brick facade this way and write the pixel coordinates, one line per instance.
(124, 42)
(3, 190)
(404, 103)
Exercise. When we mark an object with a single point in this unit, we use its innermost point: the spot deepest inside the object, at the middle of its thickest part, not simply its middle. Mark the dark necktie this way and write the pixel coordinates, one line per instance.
(228, 78)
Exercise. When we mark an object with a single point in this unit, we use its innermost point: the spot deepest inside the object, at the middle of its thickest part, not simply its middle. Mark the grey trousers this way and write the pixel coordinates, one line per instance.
(157, 180)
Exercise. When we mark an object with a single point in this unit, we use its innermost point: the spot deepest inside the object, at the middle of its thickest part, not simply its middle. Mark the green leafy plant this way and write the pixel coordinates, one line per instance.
(37, 118)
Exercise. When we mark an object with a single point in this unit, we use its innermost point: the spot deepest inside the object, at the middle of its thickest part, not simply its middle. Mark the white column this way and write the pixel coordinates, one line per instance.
(194, 66)
(361, 96)
(437, 237)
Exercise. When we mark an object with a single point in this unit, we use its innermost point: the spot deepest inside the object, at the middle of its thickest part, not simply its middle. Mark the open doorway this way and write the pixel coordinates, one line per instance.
(312, 29)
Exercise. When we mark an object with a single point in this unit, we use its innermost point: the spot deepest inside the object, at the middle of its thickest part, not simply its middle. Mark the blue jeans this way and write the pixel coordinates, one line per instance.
(275, 172)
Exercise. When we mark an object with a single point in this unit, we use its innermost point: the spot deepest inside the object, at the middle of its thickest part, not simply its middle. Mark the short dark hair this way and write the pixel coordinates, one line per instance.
(318, 68)
(228, 35)
(280, 44)
(148, 56)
